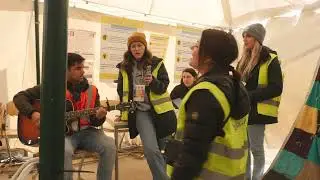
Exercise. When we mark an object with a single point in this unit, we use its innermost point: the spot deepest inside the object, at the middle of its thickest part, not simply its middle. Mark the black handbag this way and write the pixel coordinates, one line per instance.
(172, 150)
(165, 124)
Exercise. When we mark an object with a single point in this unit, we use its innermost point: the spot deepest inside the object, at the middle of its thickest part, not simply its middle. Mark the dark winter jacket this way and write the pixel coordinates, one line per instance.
(200, 132)
(258, 94)
(179, 91)
(158, 85)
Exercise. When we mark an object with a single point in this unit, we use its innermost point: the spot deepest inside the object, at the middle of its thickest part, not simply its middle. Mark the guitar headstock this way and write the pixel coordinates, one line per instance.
(123, 106)
(127, 106)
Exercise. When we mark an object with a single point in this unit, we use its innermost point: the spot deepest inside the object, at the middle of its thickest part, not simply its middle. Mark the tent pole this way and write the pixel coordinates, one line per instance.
(227, 13)
(53, 89)
(150, 7)
(36, 24)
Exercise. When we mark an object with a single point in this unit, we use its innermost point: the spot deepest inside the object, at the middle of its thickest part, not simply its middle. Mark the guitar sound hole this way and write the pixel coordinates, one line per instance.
(66, 129)
(74, 126)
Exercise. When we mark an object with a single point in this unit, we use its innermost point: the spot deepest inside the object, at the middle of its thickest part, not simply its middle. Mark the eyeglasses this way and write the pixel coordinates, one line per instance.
(136, 46)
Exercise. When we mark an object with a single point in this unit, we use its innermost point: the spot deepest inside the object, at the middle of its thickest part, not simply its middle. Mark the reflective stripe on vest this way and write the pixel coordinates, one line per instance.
(221, 150)
(89, 92)
(84, 120)
(125, 95)
(87, 100)
(169, 170)
(268, 107)
(89, 96)
(219, 95)
(227, 156)
(161, 102)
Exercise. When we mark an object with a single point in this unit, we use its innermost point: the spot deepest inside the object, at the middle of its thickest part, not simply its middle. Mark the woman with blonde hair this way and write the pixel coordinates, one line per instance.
(261, 73)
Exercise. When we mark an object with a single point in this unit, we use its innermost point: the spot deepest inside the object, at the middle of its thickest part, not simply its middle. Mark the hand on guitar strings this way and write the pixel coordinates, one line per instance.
(35, 118)
(101, 113)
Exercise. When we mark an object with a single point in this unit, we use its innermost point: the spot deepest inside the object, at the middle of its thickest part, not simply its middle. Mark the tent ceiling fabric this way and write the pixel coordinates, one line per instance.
(140, 6)
(206, 12)
(202, 12)
(241, 7)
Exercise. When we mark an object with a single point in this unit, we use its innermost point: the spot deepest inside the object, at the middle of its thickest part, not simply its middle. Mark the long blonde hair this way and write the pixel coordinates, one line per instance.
(248, 60)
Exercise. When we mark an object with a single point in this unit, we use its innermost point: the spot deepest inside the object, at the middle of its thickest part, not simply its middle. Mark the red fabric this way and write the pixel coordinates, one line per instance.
(81, 105)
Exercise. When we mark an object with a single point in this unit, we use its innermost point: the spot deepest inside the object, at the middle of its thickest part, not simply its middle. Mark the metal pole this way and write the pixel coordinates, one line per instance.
(36, 25)
(53, 90)
(227, 13)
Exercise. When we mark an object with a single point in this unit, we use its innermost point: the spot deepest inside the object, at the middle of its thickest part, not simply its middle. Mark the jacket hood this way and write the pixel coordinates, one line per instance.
(235, 92)
(76, 89)
(265, 54)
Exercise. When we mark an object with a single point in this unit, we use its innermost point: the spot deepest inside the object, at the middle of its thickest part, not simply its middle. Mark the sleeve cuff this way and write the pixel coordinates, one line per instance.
(29, 115)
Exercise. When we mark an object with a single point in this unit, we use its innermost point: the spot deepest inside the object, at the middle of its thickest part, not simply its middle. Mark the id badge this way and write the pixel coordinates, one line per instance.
(139, 93)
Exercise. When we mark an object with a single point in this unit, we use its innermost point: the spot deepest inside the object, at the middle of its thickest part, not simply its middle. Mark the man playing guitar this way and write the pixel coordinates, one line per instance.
(88, 137)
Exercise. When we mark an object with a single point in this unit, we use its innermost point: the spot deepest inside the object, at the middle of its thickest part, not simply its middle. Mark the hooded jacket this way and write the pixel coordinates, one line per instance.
(204, 121)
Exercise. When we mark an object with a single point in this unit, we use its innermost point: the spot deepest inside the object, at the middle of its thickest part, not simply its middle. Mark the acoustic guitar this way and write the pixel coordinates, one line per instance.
(29, 133)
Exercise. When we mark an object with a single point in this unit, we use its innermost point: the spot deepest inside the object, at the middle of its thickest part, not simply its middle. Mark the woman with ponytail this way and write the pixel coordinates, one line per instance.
(212, 119)
(261, 72)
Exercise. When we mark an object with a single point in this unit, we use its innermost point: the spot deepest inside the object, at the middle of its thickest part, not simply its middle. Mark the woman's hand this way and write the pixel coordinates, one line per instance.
(148, 79)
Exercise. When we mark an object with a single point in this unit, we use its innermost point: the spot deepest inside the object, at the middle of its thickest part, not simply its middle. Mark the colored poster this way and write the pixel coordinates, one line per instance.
(114, 35)
(186, 38)
(158, 45)
(83, 43)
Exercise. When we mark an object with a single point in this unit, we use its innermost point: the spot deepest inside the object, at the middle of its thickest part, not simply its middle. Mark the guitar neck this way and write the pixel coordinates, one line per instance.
(80, 113)
(87, 112)
(113, 107)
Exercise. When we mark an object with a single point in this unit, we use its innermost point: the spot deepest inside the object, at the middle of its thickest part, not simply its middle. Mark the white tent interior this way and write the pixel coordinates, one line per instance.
(292, 29)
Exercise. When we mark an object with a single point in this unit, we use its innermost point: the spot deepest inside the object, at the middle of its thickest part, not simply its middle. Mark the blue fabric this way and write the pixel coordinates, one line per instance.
(146, 128)
(314, 153)
(313, 99)
(289, 164)
(92, 140)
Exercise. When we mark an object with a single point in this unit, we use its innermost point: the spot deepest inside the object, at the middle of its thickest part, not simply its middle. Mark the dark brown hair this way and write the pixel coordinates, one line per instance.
(220, 49)
(190, 71)
(128, 59)
(74, 59)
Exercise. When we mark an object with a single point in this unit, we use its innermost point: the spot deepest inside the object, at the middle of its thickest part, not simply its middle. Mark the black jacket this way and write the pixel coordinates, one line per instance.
(274, 88)
(200, 130)
(24, 99)
(158, 85)
(179, 91)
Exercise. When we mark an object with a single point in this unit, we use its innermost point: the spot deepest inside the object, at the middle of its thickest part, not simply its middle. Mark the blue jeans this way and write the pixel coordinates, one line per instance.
(145, 126)
(92, 140)
(256, 139)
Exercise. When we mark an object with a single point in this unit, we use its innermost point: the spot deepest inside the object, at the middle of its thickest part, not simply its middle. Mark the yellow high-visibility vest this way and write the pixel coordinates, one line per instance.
(227, 157)
(160, 102)
(268, 107)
